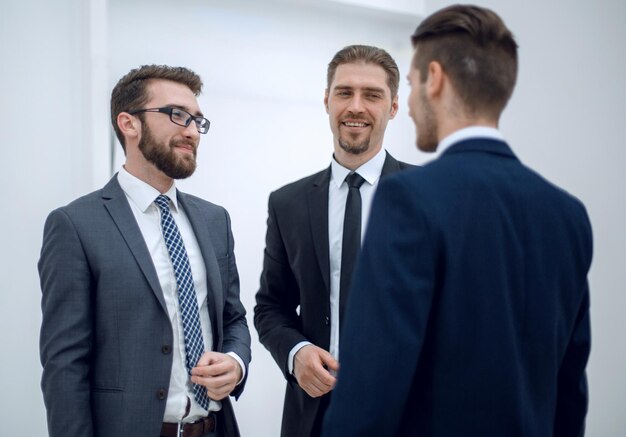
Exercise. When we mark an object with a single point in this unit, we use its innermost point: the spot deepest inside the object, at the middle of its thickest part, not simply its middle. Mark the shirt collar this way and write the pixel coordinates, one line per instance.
(467, 133)
(370, 170)
(141, 193)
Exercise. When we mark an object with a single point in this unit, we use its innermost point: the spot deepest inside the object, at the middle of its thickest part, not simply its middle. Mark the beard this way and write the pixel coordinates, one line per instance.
(427, 126)
(354, 148)
(164, 156)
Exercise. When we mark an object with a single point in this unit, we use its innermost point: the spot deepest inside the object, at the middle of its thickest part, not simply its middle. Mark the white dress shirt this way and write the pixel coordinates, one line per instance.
(467, 133)
(337, 196)
(141, 198)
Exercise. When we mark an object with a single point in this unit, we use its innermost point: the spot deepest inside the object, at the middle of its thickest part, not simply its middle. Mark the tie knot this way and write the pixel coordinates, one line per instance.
(354, 180)
(162, 202)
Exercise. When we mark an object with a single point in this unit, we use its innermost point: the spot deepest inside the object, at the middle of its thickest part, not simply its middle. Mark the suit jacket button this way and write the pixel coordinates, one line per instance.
(166, 349)
(327, 321)
(162, 393)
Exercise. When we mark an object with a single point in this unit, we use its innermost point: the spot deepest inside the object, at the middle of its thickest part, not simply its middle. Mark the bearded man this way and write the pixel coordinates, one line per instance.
(314, 235)
(143, 331)
(469, 313)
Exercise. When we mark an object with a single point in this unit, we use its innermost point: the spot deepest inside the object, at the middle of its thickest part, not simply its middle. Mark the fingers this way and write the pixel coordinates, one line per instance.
(218, 372)
(330, 362)
(315, 387)
(208, 358)
(217, 388)
(310, 370)
(213, 369)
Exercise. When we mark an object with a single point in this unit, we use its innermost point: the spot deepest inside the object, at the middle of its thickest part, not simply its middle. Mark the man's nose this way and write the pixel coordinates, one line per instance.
(356, 104)
(191, 131)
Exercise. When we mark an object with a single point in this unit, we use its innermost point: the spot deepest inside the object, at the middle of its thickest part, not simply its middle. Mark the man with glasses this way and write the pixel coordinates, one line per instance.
(143, 331)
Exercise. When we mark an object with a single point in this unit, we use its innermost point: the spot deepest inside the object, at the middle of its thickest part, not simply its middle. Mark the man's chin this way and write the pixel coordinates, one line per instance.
(182, 170)
(180, 173)
(427, 147)
(428, 141)
(354, 149)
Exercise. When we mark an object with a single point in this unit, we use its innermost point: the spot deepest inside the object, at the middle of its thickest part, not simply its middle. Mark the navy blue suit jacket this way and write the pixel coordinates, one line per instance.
(469, 312)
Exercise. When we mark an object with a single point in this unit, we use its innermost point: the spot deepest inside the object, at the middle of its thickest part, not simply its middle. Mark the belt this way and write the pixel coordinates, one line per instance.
(194, 429)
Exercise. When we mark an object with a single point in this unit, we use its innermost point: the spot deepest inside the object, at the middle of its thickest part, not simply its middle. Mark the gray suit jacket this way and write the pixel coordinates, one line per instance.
(106, 339)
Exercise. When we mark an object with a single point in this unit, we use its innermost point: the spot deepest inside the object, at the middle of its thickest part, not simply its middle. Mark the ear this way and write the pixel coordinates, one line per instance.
(394, 107)
(129, 126)
(435, 80)
(326, 100)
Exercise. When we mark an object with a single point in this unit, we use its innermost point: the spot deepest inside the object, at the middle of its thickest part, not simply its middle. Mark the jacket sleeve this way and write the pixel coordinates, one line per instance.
(236, 332)
(572, 395)
(275, 315)
(66, 330)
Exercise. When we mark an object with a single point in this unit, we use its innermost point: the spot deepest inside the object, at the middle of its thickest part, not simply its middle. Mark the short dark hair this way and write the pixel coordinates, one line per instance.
(477, 52)
(369, 55)
(131, 91)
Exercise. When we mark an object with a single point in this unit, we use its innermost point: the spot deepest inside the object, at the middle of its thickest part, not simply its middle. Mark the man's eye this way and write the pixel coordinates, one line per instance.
(178, 114)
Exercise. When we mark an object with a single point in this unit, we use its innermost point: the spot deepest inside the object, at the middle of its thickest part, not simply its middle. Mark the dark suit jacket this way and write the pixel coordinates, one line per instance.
(469, 311)
(296, 272)
(106, 336)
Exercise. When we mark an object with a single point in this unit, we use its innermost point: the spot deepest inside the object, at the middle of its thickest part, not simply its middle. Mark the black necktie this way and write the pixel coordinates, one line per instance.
(351, 242)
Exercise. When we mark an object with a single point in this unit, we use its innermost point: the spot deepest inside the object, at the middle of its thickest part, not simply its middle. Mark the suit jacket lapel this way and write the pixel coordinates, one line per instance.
(391, 165)
(214, 282)
(117, 205)
(318, 213)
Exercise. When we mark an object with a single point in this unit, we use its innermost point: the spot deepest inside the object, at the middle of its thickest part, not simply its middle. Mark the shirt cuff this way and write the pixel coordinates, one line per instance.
(240, 361)
(293, 352)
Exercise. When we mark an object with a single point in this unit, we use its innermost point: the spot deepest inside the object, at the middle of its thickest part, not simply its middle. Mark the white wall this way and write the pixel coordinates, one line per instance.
(263, 64)
(44, 120)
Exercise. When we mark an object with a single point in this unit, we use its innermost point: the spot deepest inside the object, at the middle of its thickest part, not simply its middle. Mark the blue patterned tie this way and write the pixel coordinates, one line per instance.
(194, 345)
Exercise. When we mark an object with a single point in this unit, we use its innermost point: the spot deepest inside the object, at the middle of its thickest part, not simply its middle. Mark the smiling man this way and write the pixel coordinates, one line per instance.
(143, 332)
(314, 235)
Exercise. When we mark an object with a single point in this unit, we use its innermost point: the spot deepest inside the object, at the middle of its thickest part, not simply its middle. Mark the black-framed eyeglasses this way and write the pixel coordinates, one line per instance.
(179, 116)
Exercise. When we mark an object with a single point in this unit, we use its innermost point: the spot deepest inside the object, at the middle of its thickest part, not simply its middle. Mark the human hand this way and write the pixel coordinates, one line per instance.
(218, 372)
(311, 368)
